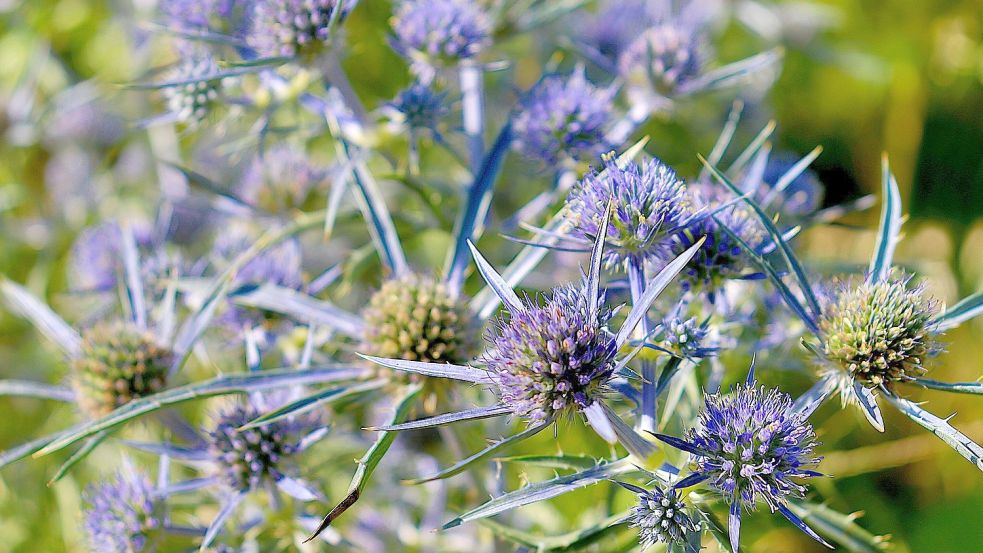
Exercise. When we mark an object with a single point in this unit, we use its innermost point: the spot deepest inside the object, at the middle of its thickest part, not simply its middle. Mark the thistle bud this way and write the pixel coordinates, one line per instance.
(119, 363)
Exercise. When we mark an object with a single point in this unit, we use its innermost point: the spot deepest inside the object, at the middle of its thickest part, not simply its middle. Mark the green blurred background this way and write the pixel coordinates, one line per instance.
(902, 77)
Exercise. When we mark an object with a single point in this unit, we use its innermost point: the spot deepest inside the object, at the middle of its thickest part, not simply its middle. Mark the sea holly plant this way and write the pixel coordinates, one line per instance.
(751, 445)
(873, 335)
(548, 361)
(123, 368)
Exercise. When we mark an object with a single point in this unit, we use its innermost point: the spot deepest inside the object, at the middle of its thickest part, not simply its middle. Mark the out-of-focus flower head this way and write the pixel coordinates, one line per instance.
(563, 118)
(416, 318)
(615, 25)
(798, 197)
(878, 333)
(198, 93)
(439, 33)
(721, 257)
(650, 203)
(420, 107)
(684, 336)
(248, 458)
(122, 515)
(198, 14)
(555, 358)
(95, 260)
(279, 265)
(281, 179)
(294, 28)
(87, 122)
(119, 363)
(665, 56)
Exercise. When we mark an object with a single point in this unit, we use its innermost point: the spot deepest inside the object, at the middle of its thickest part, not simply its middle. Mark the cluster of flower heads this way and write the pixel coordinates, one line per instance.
(551, 356)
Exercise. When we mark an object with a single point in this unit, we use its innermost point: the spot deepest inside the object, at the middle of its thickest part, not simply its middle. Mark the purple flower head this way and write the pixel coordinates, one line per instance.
(198, 14)
(122, 515)
(437, 33)
(878, 333)
(650, 203)
(248, 458)
(550, 359)
(753, 445)
(294, 27)
(802, 196)
(95, 260)
(661, 517)
(563, 118)
(193, 100)
(665, 56)
(721, 257)
(279, 265)
(684, 336)
(282, 179)
(615, 25)
(420, 107)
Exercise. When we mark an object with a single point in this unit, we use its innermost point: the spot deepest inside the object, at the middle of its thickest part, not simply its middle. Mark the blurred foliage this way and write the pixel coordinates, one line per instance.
(900, 77)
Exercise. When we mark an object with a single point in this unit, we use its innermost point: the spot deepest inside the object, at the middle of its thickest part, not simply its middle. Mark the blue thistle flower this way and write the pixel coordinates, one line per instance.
(660, 516)
(721, 257)
(684, 336)
(283, 178)
(550, 359)
(439, 33)
(122, 515)
(650, 204)
(615, 25)
(666, 57)
(294, 28)
(95, 260)
(248, 458)
(878, 333)
(420, 107)
(563, 118)
(751, 445)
